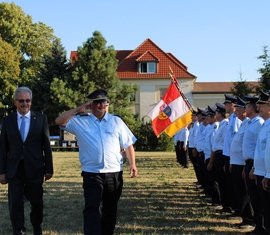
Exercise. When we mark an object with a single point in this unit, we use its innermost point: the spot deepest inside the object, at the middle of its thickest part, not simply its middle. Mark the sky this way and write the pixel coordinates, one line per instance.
(218, 40)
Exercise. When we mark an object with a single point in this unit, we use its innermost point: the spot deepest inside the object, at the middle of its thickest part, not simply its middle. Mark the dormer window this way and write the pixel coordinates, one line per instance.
(147, 67)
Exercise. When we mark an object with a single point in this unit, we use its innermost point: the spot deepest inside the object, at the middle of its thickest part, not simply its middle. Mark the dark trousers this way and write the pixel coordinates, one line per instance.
(101, 193)
(221, 166)
(212, 188)
(177, 152)
(263, 203)
(183, 155)
(240, 194)
(252, 191)
(201, 169)
(193, 160)
(19, 189)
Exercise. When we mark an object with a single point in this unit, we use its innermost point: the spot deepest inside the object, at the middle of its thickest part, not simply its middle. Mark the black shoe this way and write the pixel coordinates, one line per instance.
(37, 230)
(21, 232)
(259, 231)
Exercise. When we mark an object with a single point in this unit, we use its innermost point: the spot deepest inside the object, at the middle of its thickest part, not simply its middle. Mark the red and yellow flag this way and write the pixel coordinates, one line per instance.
(172, 112)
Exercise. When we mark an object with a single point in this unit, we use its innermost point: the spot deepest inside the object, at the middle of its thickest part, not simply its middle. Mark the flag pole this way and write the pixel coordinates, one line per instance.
(178, 88)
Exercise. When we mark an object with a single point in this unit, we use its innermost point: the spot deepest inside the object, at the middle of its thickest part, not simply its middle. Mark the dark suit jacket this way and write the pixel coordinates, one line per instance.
(35, 151)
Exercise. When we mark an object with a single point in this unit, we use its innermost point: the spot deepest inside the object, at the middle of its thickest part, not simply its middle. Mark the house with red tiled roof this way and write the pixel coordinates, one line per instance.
(148, 66)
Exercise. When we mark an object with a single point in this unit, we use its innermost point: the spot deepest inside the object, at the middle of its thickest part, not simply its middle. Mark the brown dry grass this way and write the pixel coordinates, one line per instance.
(163, 199)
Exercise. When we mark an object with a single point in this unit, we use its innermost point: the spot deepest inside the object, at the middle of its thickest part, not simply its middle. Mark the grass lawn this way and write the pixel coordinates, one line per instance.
(163, 199)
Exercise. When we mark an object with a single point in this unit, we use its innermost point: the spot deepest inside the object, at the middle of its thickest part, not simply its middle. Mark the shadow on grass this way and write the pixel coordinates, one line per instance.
(162, 200)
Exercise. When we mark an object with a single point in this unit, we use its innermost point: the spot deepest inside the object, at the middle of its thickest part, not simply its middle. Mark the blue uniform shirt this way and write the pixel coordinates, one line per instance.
(233, 126)
(236, 153)
(209, 133)
(181, 135)
(100, 142)
(218, 139)
(192, 134)
(199, 142)
(259, 162)
(267, 157)
(250, 137)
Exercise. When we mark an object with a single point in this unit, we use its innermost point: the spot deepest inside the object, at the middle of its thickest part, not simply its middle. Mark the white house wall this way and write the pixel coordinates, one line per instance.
(148, 93)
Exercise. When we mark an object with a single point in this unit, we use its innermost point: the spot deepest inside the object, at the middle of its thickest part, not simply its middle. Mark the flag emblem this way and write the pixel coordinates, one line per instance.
(165, 112)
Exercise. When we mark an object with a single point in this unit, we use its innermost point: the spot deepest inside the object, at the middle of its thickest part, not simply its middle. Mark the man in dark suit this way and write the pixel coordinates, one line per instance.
(25, 160)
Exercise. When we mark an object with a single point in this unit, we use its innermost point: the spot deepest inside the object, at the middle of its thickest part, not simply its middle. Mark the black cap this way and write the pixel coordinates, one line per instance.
(98, 94)
(263, 98)
(251, 99)
(204, 113)
(229, 99)
(211, 110)
(194, 112)
(199, 111)
(220, 108)
(240, 103)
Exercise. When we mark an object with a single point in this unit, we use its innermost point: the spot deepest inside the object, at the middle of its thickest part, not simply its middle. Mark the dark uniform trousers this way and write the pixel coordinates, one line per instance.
(252, 191)
(177, 151)
(19, 189)
(201, 169)
(193, 161)
(263, 203)
(221, 166)
(211, 186)
(101, 193)
(240, 194)
(183, 155)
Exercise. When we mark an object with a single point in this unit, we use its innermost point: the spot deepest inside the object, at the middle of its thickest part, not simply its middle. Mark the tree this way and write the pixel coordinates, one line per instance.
(241, 88)
(265, 70)
(31, 40)
(96, 68)
(53, 66)
(9, 75)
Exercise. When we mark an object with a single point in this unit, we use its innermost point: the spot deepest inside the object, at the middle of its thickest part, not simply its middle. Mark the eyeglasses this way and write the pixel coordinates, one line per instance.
(24, 101)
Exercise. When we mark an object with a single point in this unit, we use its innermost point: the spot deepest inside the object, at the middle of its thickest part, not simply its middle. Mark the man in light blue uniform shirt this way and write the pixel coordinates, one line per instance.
(249, 143)
(101, 138)
(259, 165)
(199, 145)
(237, 163)
(181, 141)
(209, 133)
(232, 128)
(216, 162)
(194, 126)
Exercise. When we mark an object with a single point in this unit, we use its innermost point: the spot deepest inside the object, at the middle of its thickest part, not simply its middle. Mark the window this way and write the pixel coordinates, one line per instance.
(147, 67)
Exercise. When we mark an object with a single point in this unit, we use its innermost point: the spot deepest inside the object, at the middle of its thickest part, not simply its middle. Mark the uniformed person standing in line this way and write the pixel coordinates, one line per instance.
(196, 118)
(216, 160)
(237, 164)
(181, 141)
(191, 139)
(266, 180)
(249, 143)
(259, 170)
(209, 132)
(233, 126)
(199, 144)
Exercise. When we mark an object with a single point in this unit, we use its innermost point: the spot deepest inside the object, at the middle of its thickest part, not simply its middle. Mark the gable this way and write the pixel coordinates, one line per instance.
(149, 51)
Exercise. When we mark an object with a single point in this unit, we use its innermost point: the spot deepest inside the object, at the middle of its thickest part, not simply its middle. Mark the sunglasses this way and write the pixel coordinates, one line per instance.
(24, 101)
